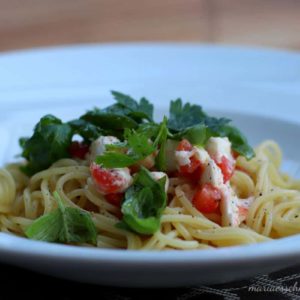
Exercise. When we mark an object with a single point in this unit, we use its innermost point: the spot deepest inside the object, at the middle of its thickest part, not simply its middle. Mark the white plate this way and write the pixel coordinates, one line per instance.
(246, 85)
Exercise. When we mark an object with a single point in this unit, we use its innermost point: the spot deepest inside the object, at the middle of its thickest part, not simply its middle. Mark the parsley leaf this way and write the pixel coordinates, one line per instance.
(136, 110)
(161, 140)
(191, 122)
(183, 116)
(144, 203)
(197, 135)
(110, 122)
(88, 131)
(49, 143)
(138, 148)
(64, 225)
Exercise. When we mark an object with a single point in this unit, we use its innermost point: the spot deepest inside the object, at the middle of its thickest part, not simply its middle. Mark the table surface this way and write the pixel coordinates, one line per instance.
(24, 284)
(274, 23)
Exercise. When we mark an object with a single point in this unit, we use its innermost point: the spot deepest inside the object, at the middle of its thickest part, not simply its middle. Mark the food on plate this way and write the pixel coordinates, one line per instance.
(115, 178)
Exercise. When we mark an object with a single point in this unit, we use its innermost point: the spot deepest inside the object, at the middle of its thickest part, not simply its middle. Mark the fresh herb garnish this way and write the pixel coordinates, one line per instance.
(64, 225)
(126, 113)
(191, 122)
(160, 141)
(137, 146)
(86, 130)
(144, 203)
(137, 110)
(196, 135)
(183, 116)
(132, 122)
(238, 140)
(49, 142)
(110, 122)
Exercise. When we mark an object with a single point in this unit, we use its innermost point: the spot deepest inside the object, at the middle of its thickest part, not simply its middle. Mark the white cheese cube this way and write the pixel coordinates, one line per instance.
(98, 147)
(218, 147)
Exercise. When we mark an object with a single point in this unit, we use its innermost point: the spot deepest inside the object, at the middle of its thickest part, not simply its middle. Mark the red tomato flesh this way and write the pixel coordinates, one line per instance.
(194, 164)
(227, 168)
(115, 199)
(78, 150)
(184, 145)
(191, 167)
(108, 181)
(207, 198)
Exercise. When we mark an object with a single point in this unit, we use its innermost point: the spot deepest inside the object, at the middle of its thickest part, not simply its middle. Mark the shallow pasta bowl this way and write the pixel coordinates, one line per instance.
(28, 96)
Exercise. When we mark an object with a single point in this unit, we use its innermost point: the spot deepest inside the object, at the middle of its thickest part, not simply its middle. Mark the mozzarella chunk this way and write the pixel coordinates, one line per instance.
(218, 147)
(98, 146)
(212, 174)
(183, 157)
(244, 205)
(124, 180)
(158, 175)
(229, 202)
(110, 181)
(202, 155)
(229, 207)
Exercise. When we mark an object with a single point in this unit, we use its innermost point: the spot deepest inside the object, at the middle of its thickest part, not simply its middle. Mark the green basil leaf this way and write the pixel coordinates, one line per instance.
(191, 122)
(65, 225)
(108, 121)
(88, 131)
(138, 148)
(46, 228)
(115, 160)
(196, 135)
(137, 110)
(50, 142)
(183, 116)
(161, 140)
(144, 203)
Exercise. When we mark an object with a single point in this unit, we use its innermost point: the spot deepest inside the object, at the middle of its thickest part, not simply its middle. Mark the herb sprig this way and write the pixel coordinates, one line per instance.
(63, 225)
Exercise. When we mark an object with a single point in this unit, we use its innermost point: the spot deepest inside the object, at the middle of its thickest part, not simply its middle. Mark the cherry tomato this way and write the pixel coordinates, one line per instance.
(115, 199)
(194, 177)
(78, 150)
(243, 211)
(191, 167)
(108, 181)
(184, 145)
(207, 198)
(235, 154)
(227, 168)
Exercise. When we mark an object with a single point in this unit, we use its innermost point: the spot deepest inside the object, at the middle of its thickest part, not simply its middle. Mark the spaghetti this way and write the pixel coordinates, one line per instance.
(274, 212)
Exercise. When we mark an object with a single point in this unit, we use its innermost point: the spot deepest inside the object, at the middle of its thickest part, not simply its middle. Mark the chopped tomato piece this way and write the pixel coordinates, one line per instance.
(191, 167)
(207, 198)
(108, 181)
(235, 154)
(195, 176)
(243, 211)
(184, 145)
(115, 199)
(78, 150)
(227, 168)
